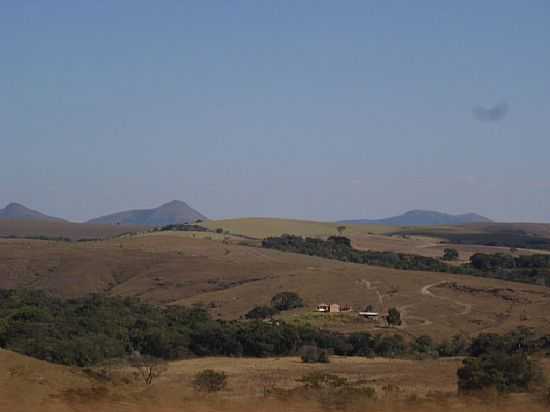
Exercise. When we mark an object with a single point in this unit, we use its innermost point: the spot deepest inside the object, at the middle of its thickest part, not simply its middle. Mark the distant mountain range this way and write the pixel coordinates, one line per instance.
(173, 212)
(423, 218)
(16, 211)
(176, 211)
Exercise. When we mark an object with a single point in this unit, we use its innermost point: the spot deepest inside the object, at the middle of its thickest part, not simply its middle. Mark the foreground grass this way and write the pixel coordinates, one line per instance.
(265, 385)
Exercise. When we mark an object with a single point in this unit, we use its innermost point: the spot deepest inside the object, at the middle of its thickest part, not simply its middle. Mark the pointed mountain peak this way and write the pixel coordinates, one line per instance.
(173, 212)
(17, 211)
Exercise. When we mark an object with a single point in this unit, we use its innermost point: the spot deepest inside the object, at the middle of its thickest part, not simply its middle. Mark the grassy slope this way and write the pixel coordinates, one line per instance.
(73, 231)
(265, 227)
(30, 385)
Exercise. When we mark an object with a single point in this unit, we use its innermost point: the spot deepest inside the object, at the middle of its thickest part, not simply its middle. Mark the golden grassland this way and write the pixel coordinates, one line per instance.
(538, 229)
(267, 384)
(377, 237)
(429, 246)
(73, 231)
(264, 227)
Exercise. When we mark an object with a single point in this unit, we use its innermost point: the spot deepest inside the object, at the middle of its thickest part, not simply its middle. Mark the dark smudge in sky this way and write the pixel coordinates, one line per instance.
(491, 114)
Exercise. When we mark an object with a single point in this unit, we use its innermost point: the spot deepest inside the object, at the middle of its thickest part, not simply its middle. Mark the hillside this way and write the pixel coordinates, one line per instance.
(169, 213)
(32, 385)
(263, 227)
(16, 211)
(62, 230)
(423, 218)
(509, 235)
(231, 279)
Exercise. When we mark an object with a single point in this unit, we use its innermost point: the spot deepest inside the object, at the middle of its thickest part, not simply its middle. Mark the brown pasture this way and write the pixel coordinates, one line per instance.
(252, 385)
(231, 279)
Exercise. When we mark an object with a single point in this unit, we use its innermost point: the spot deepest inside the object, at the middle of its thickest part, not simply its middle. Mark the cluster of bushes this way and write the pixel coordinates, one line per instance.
(526, 269)
(499, 261)
(333, 392)
(312, 354)
(210, 380)
(450, 254)
(503, 362)
(89, 330)
(280, 302)
(339, 248)
(504, 238)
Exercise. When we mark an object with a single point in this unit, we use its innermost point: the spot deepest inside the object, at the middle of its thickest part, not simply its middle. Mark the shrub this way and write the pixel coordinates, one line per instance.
(424, 346)
(394, 317)
(390, 346)
(318, 380)
(209, 380)
(334, 392)
(457, 346)
(450, 254)
(506, 373)
(286, 301)
(362, 343)
(312, 354)
(261, 312)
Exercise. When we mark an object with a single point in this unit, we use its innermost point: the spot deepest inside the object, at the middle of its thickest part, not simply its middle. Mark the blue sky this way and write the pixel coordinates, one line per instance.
(305, 109)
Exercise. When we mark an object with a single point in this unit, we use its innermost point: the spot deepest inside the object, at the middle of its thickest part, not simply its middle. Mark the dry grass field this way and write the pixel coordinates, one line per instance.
(428, 246)
(376, 237)
(73, 231)
(264, 227)
(538, 229)
(252, 385)
(231, 279)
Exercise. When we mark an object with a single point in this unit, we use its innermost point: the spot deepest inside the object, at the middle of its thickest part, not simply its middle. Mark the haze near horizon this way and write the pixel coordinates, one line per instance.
(312, 110)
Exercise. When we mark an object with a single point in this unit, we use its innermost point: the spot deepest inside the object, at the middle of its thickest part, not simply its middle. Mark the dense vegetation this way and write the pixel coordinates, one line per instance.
(506, 238)
(339, 248)
(504, 372)
(528, 269)
(280, 302)
(450, 254)
(209, 380)
(261, 312)
(503, 362)
(89, 330)
(287, 301)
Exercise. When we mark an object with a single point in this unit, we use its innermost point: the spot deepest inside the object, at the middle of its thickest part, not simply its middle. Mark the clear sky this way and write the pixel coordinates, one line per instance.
(304, 109)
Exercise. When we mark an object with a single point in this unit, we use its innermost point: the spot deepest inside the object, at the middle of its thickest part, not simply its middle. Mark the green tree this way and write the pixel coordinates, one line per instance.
(209, 380)
(450, 254)
(261, 312)
(312, 354)
(505, 372)
(286, 301)
(394, 317)
(424, 345)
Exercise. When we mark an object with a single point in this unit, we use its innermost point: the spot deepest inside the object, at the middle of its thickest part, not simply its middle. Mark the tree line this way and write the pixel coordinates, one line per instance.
(526, 269)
